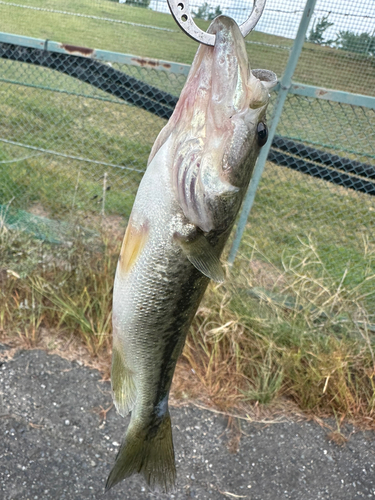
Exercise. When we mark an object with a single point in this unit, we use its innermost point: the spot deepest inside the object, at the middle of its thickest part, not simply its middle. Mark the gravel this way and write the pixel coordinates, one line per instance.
(56, 445)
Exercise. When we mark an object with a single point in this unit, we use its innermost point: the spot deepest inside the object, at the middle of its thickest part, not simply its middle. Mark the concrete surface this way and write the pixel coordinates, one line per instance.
(55, 445)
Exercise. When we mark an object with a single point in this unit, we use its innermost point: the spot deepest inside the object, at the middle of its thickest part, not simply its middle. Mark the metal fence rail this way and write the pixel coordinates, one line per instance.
(160, 103)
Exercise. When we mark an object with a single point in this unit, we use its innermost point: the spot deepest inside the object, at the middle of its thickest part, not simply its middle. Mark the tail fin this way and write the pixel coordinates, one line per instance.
(148, 451)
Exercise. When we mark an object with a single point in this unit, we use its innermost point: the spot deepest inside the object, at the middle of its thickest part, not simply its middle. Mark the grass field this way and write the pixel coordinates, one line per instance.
(295, 320)
(322, 66)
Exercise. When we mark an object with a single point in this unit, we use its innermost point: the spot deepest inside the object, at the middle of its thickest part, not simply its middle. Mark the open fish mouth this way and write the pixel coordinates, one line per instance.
(220, 82)
(213, 127)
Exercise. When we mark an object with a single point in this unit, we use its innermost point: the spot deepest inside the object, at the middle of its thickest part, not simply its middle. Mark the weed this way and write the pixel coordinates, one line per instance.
(267, 379)
(300, 335)
(61, 287)
(304, 338)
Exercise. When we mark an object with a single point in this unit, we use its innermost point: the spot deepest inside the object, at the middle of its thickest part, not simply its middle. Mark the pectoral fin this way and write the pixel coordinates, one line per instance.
(201, 254)
(134, 241)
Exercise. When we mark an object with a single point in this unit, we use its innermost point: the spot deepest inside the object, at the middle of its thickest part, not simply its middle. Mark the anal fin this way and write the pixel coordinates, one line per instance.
(123, 386)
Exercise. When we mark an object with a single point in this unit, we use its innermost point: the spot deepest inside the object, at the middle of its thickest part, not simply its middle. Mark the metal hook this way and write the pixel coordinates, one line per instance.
(180, 10)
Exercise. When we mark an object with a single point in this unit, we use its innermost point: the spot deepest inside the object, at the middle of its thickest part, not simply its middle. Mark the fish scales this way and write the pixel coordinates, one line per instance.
(198, 171)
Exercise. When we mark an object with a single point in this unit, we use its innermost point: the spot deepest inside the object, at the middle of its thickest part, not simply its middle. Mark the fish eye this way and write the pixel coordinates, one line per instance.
(262, 134)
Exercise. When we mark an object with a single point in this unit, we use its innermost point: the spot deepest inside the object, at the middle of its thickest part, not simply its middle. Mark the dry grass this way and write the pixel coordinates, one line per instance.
(305, 338)
(65, 288)
(267, 342)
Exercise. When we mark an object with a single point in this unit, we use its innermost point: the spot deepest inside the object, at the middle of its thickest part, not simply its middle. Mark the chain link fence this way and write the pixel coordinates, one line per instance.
(77, 124)
(69, 147)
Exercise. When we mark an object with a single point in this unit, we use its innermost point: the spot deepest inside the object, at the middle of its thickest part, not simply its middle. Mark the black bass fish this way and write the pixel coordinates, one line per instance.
(197, 174)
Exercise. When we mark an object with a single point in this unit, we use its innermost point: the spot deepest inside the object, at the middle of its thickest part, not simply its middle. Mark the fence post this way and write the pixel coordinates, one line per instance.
(282, 93)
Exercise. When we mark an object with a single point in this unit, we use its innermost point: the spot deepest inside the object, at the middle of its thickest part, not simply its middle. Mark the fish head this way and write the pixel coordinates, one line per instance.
(217, 129)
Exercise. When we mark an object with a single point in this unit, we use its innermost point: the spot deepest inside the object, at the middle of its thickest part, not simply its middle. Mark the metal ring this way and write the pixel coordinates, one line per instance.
(180, 10)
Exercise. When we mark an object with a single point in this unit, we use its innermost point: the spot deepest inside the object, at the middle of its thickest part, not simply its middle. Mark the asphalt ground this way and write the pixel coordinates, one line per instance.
(56, 444)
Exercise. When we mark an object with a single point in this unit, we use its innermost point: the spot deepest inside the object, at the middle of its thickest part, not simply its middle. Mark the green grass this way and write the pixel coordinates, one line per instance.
(292, 209)
(322, 66)
(341, 129)
(295, 206)
(112, 133)
(294, 331)
(41, 282)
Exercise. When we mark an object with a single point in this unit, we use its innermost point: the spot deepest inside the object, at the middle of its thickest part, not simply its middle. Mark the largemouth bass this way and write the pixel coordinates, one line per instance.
(197, 174)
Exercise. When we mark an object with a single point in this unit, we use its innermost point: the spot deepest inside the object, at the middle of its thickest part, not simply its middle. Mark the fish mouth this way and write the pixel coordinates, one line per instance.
(220, 82)
(230, 66)
(220, 85)
(233, 83)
